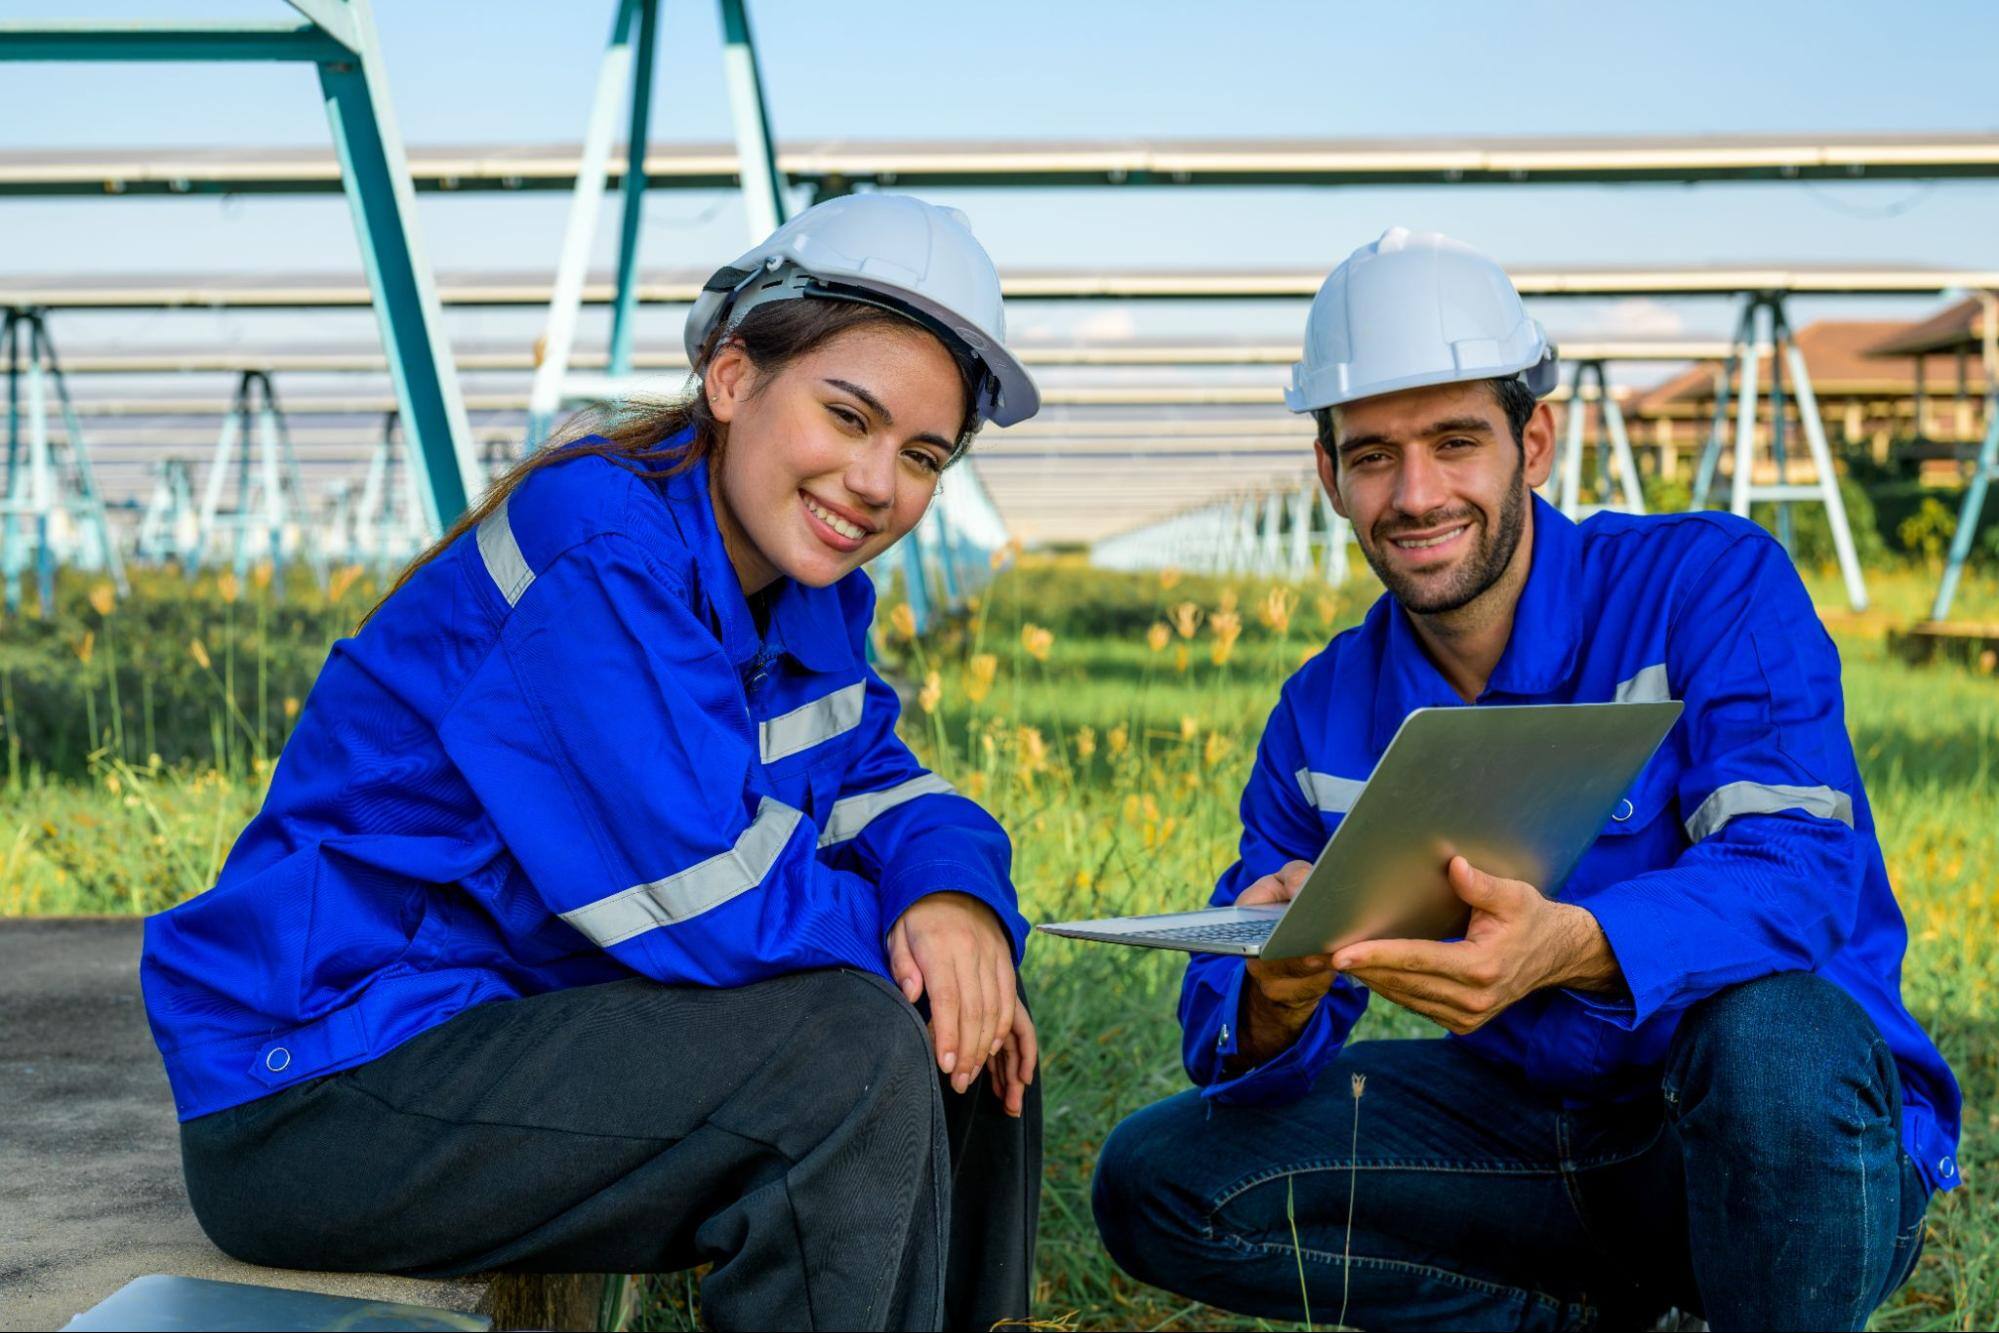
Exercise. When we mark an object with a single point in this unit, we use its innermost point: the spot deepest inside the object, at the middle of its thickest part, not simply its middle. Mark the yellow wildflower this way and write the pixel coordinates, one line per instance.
(199, 654)
(1086, 742)
(932, 692)
(903, 620)
(291, 705)
(1084, 879)
(1118, 738)
(1156, 638)
(260, 573)
(1186, 618)
(1227, 628)
(1190, 727)
(104, 599)
(87, 647)
(1180, 658)
(1216, 749)
(979, 674)
(1037, 641)
(1277, 604)
(975, 785)
(1168, 578)
(343, 579)
(1327, 608)
(1032, 749)
(228, 586)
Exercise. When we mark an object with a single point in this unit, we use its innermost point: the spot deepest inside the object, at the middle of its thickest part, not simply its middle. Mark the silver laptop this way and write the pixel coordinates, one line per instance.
(1520, 792)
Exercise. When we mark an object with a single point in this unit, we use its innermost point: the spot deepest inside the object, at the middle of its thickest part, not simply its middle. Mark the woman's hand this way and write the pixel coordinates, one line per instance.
(951, 947)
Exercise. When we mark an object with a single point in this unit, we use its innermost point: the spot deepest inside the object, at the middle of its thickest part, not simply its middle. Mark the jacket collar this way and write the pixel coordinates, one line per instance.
(805, 623)
(1540, 651)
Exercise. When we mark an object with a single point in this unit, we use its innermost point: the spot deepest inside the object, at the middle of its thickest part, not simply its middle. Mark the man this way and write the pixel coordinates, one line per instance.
(1686, 1078)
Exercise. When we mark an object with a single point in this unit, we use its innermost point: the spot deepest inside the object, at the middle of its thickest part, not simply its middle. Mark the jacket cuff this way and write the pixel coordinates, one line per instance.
(1641, 934)
(902, 885)
(1289, 1074)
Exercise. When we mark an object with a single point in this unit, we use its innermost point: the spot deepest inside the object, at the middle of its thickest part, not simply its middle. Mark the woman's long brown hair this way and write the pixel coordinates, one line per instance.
(644, 437)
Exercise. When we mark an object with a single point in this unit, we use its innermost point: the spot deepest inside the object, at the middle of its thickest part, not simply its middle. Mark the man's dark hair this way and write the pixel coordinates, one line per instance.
(1515, 400)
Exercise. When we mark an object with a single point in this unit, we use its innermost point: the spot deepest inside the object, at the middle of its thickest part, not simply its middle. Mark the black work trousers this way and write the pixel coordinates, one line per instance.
(793, 1134)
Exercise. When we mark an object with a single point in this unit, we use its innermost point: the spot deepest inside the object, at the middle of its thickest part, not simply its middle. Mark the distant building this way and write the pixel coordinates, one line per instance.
(1898, 388)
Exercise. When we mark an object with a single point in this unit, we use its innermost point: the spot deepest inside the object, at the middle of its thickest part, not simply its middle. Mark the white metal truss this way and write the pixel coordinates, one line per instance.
(51, 502)
(1615, 465)
(1764, 327)
(170, 525)
(267, 520)
(1289, 532)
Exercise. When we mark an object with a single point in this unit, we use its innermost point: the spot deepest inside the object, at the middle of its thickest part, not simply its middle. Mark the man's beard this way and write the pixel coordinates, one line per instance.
(1491, 553)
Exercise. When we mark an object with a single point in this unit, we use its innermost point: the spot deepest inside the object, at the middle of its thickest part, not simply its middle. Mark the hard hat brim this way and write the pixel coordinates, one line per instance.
(1539, 372)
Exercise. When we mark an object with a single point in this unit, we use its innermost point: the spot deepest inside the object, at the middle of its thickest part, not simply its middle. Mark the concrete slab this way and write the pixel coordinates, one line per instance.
(90, 1179)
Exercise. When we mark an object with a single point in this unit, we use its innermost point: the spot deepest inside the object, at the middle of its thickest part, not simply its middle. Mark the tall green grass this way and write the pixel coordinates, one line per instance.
(1108, 721)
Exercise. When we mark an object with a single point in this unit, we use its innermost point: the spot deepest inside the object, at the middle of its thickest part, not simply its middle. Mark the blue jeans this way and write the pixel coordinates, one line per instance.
(1765, 1187)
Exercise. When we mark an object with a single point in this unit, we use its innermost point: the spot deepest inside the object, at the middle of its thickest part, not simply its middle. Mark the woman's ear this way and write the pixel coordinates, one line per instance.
(727, 381)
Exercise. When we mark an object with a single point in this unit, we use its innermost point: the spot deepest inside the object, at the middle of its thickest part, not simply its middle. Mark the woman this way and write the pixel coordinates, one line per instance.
(585, 921)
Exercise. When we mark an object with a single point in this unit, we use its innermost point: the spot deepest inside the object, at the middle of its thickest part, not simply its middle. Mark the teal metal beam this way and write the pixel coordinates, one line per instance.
(763, 185)
(405, 297)
(339, 39)
(637, 130)
(139, 41)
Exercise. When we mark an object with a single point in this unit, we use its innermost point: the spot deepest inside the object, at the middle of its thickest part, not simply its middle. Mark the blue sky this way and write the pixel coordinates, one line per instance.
(522, 72)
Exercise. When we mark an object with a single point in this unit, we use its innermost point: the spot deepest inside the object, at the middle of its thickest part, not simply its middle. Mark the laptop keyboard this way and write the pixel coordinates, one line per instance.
(1225, 932)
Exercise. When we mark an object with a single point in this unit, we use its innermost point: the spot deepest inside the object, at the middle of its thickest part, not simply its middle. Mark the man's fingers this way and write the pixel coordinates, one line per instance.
(902, 964)
(1479, 889)
(1279, 887)
(1457, 960)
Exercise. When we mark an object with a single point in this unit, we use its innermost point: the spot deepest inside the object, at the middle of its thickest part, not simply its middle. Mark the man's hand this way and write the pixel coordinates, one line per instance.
(952, 947)
(1518, 942)
(1283, 992)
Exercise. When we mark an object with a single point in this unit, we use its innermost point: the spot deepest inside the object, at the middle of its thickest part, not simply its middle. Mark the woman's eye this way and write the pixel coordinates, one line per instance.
(849, 418)
(924, 459)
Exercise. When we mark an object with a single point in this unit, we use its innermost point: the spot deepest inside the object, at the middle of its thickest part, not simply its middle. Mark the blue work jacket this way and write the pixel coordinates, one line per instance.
(1745, 847)
(562, 754)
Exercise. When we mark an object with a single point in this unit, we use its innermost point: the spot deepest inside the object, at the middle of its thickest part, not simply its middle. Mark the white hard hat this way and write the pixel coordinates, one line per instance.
(919, 260)
(1412, 309)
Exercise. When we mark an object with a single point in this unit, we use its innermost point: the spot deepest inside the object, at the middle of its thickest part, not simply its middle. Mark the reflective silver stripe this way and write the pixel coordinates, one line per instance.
(502, 554)
(695, 890)
(1333, 795)
(853, 813)
(1647, 687)
(1759, 798)
(814, 724)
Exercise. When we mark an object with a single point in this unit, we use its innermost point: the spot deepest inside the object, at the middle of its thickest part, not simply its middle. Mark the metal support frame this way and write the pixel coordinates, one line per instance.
(1285, 532)
(268, 519)
(385, 526)
(1764, 324)
(50, 486)
(624, 92)
(339, 40)
(1983, 471)
(170, 526)
(1615, 466)
(948, 557)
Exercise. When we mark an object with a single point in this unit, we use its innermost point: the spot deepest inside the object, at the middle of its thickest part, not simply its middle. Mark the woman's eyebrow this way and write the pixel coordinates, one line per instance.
(874, 404)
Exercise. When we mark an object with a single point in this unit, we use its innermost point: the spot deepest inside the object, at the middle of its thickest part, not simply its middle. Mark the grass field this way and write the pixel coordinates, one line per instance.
(1108, 721)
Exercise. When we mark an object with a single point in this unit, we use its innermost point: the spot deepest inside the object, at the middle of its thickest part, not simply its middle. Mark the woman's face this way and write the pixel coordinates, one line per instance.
(834, 458)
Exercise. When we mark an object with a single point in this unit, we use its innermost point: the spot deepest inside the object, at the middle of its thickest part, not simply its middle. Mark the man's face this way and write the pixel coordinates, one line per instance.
(1436, 488)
